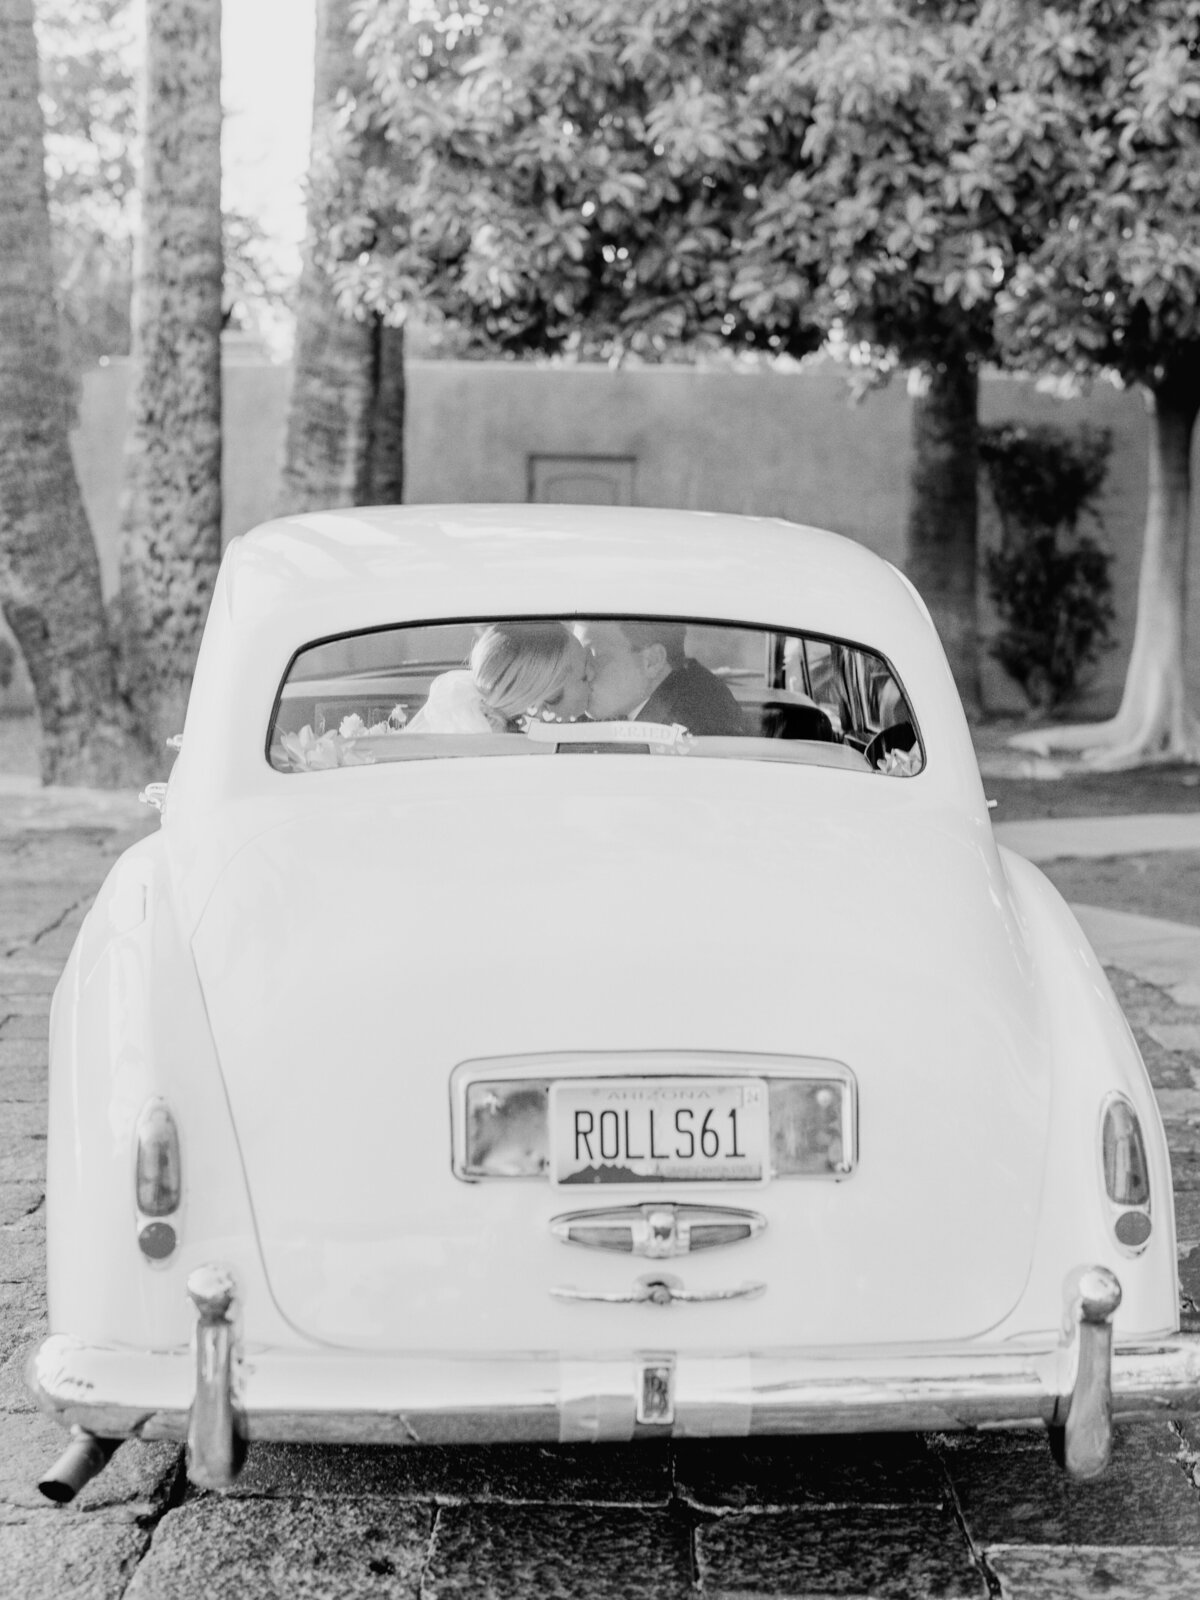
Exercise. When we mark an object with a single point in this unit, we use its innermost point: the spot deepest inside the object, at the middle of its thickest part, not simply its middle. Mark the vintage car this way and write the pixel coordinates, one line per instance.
(588, 1077)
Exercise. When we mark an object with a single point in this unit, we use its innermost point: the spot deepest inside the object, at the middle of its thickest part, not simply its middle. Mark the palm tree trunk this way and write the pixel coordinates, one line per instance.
(49, 572)
(171, 522)
(943, 518)
(1153, 723)
(327, 446)
(345, 428)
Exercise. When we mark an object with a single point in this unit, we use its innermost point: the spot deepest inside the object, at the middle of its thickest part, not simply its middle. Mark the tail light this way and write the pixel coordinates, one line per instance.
(158, 1179)
(1126, 1172)
(812, 1127)
(508, 1129)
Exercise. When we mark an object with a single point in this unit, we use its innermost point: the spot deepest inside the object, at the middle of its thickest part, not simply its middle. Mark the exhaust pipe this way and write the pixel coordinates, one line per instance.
(83, 1458)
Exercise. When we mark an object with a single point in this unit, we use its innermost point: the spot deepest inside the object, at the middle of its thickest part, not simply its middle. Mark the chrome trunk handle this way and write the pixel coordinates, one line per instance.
(657, 1230)
(660, 1290)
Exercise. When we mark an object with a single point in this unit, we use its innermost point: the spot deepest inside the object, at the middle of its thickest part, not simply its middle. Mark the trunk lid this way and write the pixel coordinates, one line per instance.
(352, 958)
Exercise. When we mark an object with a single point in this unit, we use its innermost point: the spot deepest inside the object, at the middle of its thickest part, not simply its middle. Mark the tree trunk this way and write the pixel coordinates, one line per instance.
(171, 515)
(386, 465)
(345, 428)
(49, 572)
(1153, 723)
(943, 517)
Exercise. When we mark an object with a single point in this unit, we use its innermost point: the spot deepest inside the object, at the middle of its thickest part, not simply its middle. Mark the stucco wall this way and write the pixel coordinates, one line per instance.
(771, 444)
(774, 444)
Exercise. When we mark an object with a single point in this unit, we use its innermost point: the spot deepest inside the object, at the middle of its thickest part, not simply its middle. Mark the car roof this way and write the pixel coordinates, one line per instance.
(337, 570)
(305, 578)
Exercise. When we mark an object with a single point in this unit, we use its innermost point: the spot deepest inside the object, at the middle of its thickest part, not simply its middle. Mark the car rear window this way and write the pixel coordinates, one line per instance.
(533, 686)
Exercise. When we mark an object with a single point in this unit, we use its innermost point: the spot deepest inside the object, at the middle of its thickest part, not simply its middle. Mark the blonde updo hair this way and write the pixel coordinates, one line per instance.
(518, 665)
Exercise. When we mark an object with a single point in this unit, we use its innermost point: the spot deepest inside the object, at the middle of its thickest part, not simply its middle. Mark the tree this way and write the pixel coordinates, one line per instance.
(171, 515)
(345, 428)
(1114, 287)
(897, 229)
(599, 176)
(49, 573)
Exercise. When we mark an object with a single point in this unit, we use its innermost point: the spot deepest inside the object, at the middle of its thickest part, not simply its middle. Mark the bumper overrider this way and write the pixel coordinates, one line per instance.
(218, 1397)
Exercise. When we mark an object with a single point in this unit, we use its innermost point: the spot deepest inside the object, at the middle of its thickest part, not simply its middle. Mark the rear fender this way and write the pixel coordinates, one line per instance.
(127, 1024)
(1094, 1054)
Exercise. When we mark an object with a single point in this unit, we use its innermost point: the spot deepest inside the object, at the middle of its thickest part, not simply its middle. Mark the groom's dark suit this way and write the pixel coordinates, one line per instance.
(694, 696)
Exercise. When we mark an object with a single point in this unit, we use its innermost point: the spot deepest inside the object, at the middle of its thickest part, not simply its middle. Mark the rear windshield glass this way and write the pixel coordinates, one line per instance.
(592, 686)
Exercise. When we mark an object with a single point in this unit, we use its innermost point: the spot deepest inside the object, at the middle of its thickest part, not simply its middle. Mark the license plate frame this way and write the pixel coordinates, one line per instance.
(634, 1131)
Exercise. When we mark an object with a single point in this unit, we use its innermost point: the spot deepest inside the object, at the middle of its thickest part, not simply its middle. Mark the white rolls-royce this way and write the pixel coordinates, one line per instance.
(575, 994)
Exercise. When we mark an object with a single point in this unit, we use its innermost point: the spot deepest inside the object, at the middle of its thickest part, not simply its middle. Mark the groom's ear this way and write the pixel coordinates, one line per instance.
(655, 658)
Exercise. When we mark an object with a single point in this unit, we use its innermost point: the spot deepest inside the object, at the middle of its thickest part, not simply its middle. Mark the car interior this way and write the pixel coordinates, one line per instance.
(802, 697)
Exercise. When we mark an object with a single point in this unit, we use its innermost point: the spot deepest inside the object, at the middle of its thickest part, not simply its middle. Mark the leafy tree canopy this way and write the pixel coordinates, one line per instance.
(1113, 279)
(635, 173)
(568, 175)
(901, 218)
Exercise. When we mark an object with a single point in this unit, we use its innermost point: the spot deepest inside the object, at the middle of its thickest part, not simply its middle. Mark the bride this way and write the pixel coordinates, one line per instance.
(518, 671)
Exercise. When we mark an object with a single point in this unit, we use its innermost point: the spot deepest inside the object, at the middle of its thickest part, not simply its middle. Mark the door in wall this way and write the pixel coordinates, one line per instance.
(581, 480)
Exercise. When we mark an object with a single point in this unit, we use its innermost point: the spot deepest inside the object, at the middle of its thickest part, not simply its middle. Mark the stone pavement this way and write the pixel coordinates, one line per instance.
(902, 1517)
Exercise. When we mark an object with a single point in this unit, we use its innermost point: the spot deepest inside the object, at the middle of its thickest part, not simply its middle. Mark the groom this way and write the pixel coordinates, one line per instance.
(641, 673)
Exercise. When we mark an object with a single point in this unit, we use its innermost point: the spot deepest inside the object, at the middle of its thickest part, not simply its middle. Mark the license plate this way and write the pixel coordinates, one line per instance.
(658, 1130)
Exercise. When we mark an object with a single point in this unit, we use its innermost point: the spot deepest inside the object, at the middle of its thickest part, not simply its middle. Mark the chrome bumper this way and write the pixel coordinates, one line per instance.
(218, 1397)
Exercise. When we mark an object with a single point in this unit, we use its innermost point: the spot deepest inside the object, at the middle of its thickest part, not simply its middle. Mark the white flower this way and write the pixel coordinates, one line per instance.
(306, 752)
(353, 726)
(901, 763)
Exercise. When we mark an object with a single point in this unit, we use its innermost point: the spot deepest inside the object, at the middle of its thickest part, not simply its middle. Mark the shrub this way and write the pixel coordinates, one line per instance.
(1050, 582)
